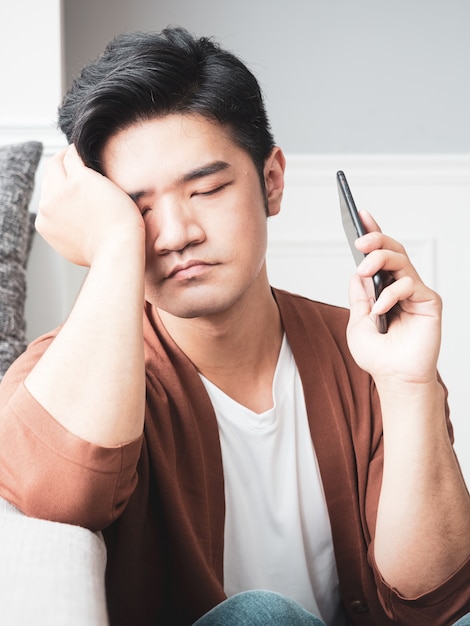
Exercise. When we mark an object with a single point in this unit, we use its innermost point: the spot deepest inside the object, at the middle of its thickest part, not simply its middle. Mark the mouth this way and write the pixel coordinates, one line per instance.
(191, 269)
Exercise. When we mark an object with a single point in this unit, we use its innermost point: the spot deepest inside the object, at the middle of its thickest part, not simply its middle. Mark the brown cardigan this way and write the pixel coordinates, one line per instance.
(164, 524)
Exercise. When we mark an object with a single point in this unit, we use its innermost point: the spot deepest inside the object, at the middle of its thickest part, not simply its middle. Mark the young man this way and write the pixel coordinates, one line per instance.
(233, 440)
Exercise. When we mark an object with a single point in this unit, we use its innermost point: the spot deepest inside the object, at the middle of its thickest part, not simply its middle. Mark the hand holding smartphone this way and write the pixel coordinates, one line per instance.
(354, 228)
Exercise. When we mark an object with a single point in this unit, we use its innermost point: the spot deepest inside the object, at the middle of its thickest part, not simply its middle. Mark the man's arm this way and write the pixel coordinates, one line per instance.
(91, 378)
(423, 522)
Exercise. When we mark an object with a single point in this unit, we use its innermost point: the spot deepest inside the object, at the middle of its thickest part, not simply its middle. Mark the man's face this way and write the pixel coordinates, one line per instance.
(204, 212)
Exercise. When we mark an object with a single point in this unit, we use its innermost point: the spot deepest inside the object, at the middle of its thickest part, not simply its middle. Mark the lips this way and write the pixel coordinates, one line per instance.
(190, 269)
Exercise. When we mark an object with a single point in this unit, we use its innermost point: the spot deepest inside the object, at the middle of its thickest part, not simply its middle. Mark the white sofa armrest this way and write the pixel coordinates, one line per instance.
(50, 574)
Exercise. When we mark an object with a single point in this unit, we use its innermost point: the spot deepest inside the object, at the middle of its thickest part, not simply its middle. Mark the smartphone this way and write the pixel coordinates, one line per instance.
(354, 228)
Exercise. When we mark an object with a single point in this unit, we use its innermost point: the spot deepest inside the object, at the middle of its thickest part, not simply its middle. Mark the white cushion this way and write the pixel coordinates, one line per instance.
(50, 574)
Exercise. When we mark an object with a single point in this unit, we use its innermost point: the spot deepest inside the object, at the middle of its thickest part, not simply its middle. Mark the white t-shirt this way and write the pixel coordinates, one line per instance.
(277, 529)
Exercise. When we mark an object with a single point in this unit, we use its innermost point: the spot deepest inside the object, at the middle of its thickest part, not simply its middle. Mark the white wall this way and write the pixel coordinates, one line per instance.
(30, 62)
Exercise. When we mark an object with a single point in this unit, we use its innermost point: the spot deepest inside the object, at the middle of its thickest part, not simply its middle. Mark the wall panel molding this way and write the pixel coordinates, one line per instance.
(380, 169)
(52, 139)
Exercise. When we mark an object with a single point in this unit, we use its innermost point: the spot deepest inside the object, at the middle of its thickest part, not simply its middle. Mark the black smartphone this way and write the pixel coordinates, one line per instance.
(354, 228)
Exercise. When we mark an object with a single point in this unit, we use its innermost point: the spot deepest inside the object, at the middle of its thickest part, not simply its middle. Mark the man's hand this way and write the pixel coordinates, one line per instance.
(80, 210)
(408, 352)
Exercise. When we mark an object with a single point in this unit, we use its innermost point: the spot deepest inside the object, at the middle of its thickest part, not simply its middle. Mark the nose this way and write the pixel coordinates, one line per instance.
(172, 227)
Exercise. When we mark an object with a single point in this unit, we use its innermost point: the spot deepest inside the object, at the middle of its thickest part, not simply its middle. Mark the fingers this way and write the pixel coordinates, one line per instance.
(388, 259)
(406, 282)
(55, 165)
(398, 291)
(369, 222)
(59, 169)
(386, 254)
(376, 240)
(382, 252)
(72, 160)
(65, 163)
(407, 289)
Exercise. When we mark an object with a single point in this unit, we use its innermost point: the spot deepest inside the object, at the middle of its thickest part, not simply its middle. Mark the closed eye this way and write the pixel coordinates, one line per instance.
(211, 192)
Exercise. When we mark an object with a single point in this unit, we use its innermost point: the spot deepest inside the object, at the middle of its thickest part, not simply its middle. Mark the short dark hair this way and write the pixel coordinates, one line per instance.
(143, 75)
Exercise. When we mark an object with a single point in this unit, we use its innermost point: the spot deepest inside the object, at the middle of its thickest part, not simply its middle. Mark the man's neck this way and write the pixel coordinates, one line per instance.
(237, 350)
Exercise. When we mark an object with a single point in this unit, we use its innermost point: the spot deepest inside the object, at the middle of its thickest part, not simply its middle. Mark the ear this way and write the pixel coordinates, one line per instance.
(274, 180)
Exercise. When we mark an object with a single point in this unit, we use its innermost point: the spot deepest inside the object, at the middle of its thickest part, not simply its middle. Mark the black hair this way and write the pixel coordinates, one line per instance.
(143, 75)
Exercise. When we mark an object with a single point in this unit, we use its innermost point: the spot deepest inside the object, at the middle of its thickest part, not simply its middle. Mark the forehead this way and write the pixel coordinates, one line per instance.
(173, 144)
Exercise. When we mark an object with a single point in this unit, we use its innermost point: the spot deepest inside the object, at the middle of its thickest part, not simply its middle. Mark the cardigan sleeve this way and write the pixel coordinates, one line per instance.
(50, 473)
(442, 605)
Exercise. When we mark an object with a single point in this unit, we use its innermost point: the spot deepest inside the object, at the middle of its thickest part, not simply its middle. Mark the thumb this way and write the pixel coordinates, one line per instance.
(360, 298)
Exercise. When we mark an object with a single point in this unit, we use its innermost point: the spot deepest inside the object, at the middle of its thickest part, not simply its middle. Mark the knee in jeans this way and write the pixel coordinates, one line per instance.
(259, 608)
(269, 606)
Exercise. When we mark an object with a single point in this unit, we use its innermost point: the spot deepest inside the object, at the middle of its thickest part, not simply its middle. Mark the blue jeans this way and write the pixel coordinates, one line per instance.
(263, 608)
(259, 608)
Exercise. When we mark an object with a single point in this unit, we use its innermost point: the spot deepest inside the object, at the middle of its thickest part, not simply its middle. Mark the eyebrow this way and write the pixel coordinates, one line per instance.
(205, 170)
(195, 174)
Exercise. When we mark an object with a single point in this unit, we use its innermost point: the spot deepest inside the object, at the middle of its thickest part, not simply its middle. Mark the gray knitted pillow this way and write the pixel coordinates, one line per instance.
(18, 165)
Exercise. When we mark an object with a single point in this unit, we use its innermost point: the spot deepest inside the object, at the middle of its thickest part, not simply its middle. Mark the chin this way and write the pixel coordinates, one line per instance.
(205, 299)
(194, 311)
(196, 305)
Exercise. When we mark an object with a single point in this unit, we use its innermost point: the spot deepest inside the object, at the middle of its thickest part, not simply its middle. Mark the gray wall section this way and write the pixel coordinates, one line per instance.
(339, 76)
